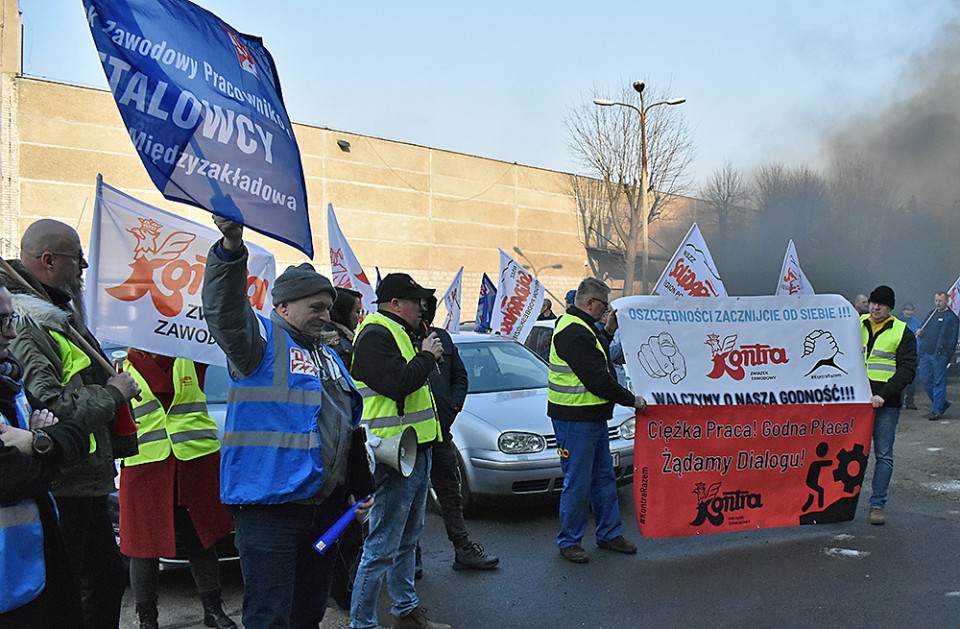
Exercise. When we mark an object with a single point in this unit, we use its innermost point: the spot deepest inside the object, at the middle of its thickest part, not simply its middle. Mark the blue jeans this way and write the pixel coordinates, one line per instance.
(286, 581)
(588, 482)
(884, 432)
(396, 521)
(933, 375)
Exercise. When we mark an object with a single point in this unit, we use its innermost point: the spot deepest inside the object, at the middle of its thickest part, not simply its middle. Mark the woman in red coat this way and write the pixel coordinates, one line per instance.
(171, 488)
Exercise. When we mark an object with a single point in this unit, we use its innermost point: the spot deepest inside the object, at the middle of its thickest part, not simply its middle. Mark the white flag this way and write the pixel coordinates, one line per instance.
(451, 299)
(519, 297)
(346, 270)
(691, 271)
(146, 272)
(953, 297)
(792, 280)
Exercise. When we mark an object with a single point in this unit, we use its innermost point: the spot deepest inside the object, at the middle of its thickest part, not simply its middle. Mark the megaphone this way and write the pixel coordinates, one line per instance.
(399, 451)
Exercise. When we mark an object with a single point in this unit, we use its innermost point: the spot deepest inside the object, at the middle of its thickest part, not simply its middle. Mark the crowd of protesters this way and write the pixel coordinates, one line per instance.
(315, 385)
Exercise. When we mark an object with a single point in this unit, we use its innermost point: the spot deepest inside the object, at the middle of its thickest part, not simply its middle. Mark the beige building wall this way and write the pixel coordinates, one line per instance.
(403, 207)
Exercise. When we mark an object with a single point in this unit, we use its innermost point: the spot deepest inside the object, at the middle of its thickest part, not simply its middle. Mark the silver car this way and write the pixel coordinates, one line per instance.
(503, 435)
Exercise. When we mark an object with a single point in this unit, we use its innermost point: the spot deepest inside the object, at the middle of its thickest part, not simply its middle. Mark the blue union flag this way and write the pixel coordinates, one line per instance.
(486, 304)
(202, 105)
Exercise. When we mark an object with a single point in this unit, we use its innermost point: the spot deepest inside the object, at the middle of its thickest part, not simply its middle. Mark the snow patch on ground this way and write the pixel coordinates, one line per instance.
(845, 553)
(944, 486)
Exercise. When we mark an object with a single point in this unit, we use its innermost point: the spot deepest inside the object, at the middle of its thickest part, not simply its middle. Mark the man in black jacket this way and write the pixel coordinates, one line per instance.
(38, 588)
(583, 388)
(449, 385)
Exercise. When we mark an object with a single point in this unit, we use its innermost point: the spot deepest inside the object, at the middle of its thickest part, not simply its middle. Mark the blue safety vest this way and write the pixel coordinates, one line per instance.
(22, 572)
(270, 452)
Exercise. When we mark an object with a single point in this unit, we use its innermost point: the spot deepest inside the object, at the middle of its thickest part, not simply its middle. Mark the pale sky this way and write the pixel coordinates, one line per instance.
(764, 80)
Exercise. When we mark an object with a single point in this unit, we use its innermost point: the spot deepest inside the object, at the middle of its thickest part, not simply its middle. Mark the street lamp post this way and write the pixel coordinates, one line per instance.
(644, 175)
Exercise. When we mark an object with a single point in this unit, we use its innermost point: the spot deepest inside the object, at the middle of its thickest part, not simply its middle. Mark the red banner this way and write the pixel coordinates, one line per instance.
(715, 469)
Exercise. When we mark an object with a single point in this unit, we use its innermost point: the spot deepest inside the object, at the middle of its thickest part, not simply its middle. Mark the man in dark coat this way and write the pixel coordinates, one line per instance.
(34, 447)
(449, 385)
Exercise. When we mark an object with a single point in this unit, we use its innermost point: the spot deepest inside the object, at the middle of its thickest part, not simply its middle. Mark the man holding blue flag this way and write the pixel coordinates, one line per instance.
(291, 458)
(202, 106)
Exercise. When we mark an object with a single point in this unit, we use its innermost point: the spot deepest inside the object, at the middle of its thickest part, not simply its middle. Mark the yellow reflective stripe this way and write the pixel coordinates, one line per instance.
(881, 367)
(392, 421)
(881, 354)
(185, 408)
(570, 390)
(146, 408)
(367, 392)
(18, 515)
(560, 368)
(192, 435)
(93, 444)
(266, 439)
(153, 435)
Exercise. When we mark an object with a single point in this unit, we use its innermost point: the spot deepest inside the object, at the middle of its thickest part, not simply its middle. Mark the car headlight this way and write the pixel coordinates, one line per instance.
(628, 428)
(521, 443)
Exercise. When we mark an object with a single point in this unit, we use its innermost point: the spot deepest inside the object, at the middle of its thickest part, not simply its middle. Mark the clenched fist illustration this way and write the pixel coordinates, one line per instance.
(661, 358)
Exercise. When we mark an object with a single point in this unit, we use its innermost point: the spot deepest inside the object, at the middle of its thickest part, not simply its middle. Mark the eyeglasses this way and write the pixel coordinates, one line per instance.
(6, 320)
(78, 256)
(606, 304)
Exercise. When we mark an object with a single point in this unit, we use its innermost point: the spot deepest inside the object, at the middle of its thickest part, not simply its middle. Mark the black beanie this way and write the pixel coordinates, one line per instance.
(298, 282)
(883, 295)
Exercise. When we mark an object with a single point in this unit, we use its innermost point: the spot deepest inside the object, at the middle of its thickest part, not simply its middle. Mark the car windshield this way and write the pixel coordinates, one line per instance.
(502, 366)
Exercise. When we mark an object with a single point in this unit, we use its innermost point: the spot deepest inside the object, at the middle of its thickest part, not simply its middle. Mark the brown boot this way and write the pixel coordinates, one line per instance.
(417, 619)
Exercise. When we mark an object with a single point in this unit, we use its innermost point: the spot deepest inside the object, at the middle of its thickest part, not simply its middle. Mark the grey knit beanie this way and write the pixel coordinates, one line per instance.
(298, 282)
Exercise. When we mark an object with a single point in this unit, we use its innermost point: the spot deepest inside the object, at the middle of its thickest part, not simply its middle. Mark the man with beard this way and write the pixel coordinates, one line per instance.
(74, 387)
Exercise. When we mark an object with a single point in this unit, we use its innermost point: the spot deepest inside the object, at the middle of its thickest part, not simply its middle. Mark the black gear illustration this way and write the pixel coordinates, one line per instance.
(842, 473)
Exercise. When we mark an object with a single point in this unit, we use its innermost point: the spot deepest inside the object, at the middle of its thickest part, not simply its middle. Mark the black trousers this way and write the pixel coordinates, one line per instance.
(445, 477)
(94, 557)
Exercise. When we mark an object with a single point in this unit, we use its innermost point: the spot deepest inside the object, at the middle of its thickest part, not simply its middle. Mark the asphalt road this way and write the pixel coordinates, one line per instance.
(850, 575)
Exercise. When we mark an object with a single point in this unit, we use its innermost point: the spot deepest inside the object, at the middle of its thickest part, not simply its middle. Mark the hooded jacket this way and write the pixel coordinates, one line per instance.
(88, 401)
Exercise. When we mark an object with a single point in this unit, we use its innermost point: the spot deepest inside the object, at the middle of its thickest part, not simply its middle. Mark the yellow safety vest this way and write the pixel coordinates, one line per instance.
(882, 361)
(381, 414)
(564, 387)
(74, 360)
(185, 429)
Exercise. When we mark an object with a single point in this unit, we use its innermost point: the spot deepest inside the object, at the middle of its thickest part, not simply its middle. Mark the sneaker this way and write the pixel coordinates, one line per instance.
(946, 405)
(910, 407)
(575, 554)
(934, 417)
(471, 556)
(417, 619)
(618, 545)
(877, 517)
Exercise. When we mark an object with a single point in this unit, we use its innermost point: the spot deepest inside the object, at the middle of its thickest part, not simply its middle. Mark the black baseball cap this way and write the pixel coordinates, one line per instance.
(401, 286)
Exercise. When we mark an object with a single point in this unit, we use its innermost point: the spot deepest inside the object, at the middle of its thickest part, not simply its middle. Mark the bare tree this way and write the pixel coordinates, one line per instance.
(725, 194)
(606, 142)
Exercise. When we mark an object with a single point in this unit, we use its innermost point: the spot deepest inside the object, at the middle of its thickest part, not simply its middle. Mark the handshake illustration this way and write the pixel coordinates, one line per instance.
(661, 358)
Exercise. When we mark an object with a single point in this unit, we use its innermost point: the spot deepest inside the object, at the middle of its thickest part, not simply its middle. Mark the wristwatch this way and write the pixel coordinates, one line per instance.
(42, 443)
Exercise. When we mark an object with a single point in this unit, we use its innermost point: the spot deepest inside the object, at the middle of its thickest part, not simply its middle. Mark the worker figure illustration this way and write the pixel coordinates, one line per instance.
(813, 476)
